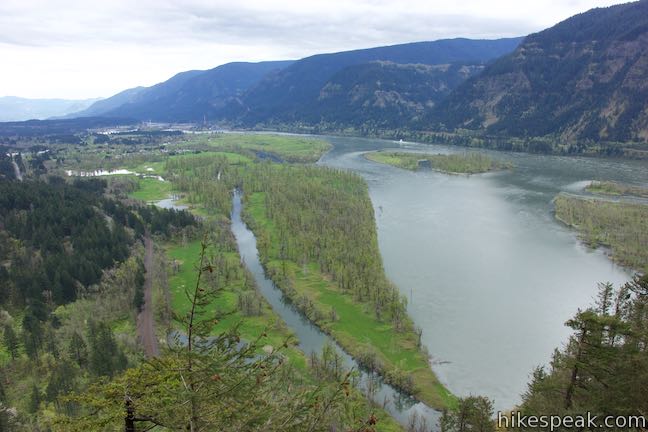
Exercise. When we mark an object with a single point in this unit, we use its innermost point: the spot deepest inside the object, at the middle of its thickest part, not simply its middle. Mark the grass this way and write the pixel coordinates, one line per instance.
(614, 188)
(356, 327)
(123, 326)
(250, 327)
(156, 168)
(468, 163)
(289, 148)
(5, 356)
(232, 158)
(151, 189)
(621, 226)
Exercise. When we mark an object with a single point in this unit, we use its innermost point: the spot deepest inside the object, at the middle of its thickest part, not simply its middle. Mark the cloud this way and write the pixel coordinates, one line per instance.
(87, 48)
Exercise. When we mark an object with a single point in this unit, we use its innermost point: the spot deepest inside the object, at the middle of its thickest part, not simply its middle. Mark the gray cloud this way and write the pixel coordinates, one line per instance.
(149, 40)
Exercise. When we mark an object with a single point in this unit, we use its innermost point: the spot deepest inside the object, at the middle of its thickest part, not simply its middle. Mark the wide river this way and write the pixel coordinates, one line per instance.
(489, 274)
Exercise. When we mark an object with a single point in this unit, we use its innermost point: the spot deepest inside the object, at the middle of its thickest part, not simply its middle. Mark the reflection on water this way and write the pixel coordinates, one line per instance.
(311, 339)
(490, 275)
(171, 203)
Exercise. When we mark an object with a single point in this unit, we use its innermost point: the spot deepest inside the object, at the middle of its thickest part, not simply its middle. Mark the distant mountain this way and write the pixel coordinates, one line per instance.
(17, 109)
(188, 96)
(586, 78)
(59, 127)
(384, 94)
(105, 105)
(286, 95)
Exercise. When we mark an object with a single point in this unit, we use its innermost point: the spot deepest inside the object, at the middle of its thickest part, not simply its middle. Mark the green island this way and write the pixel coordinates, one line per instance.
(372, 325)
(620, 226)
(466, 163)
(614, 188)
(317, 239)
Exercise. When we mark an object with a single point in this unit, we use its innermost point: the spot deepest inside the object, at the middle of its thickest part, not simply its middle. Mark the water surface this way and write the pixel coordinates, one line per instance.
(313, 340)
(489, 274)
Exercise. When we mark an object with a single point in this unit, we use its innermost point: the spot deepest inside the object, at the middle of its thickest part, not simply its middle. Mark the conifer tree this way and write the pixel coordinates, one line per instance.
(11, 341)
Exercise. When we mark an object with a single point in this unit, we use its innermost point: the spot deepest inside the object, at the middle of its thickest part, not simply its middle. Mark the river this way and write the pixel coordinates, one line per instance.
(311, 339)
(489, 274)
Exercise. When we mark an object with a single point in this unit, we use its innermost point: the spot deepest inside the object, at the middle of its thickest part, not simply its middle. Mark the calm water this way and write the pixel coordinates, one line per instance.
(311, 339)
(489, 274)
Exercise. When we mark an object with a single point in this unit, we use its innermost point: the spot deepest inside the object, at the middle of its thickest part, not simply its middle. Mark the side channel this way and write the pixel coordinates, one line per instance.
(311, 339)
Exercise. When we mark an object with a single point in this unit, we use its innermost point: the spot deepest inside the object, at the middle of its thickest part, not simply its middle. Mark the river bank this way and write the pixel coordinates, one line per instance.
(473, 163)
(486, 249)
(329, 289)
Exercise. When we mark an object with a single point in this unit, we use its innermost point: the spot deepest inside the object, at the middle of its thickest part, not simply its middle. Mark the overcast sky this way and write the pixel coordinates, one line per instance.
(92, 48)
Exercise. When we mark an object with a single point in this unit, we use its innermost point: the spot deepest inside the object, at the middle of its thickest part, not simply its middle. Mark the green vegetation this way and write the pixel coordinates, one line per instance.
(93, 335)
(470, 163)
(621, 226)
(614, 188)
(316, 236)
(288, 148)
(151, 189)
(604, 367)
(206, 179)
(71, 278)
(213, 382)
(237, 305)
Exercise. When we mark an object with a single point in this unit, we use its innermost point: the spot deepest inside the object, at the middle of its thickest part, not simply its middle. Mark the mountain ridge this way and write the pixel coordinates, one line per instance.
(582, 79)
(14, 108)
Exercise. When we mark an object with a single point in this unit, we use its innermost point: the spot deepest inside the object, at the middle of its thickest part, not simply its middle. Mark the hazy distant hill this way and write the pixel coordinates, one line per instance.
(288, 94)
(18, 109)
(585, 78)
(188, 96)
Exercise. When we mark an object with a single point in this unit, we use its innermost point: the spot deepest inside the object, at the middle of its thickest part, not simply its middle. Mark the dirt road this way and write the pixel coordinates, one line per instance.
(145, 322)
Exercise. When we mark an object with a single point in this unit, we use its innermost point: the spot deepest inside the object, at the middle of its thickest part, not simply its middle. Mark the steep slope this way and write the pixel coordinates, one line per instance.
(188, 96)
(285, 95)
(584, 79)
(384, 94)
(18, 109)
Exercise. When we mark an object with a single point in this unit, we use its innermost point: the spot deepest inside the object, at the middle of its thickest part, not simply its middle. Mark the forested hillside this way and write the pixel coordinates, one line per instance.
(383, 95)
(583, 79)
(71, 270)
(293, 95)
(287, 92)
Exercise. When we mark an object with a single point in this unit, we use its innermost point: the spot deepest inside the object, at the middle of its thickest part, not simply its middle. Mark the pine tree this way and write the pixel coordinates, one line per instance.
(11, 341)
(78, 350)
(215, 382)
(473, 414)
(105, 357)
(34, 399)
(32, 334)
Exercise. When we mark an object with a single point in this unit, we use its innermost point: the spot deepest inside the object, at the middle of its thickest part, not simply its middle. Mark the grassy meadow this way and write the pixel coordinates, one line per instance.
(469, 163)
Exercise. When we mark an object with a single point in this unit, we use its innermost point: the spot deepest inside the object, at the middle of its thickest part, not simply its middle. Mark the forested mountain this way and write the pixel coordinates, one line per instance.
(187, 96)
(314, 89)
(286, 95)
(584, 78)
(384, 94)
(18, 109)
